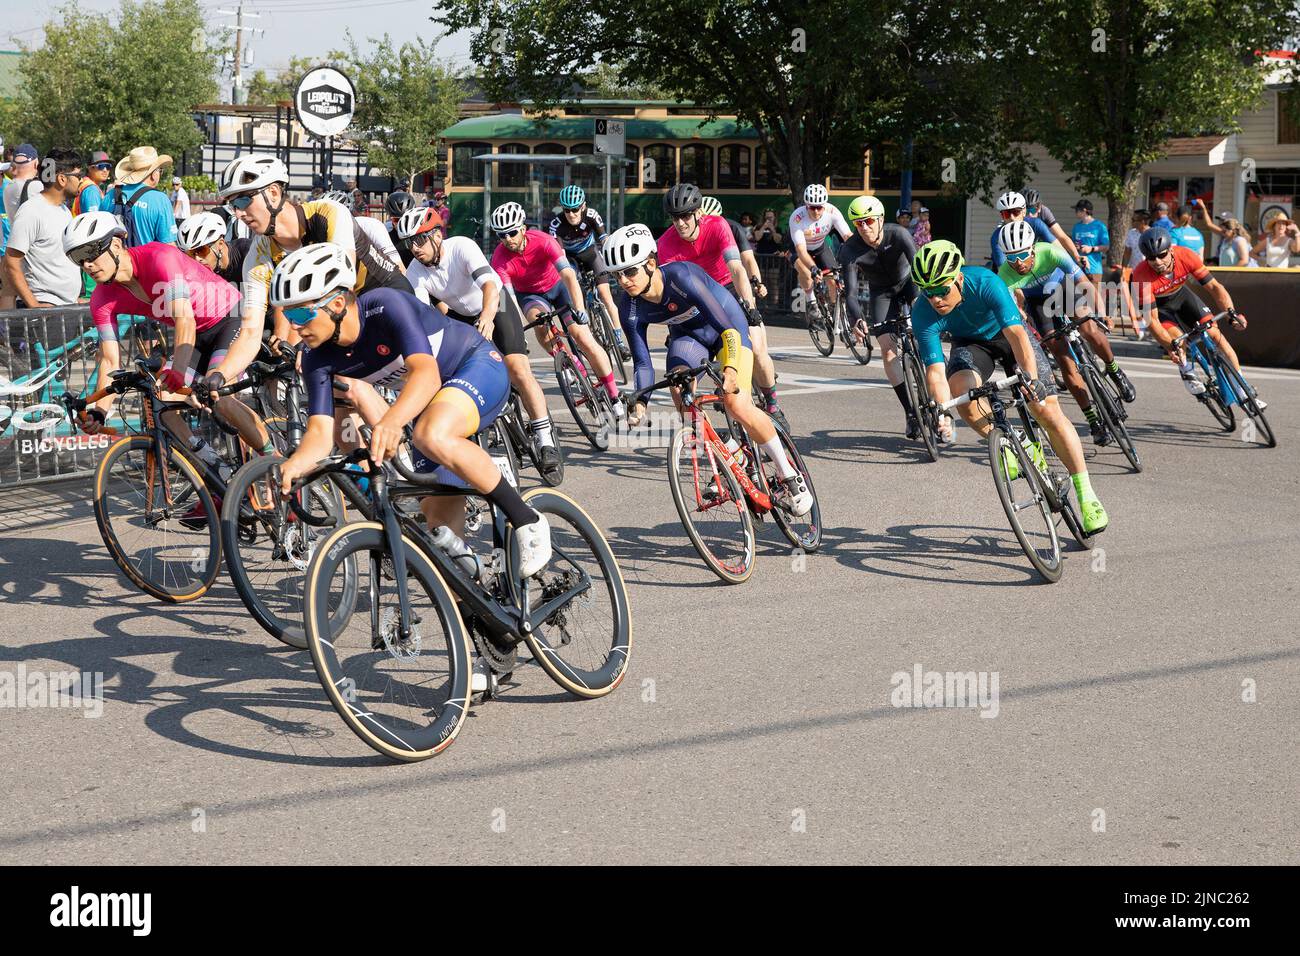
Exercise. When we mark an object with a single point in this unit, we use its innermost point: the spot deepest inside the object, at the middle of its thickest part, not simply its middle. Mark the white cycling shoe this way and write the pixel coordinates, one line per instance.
(801, 499)
(480, 677)
(534, 541)
(1193, 384)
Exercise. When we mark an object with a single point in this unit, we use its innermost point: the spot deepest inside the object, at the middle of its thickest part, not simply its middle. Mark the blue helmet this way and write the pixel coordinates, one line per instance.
(572, 197)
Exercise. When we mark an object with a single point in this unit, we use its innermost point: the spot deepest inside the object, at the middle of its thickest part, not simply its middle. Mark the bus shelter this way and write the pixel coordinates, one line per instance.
(544, 175)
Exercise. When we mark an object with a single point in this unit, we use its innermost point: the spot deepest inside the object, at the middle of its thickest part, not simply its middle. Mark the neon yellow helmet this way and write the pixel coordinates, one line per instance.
(710, 206)
(866, 207)
(936, 264)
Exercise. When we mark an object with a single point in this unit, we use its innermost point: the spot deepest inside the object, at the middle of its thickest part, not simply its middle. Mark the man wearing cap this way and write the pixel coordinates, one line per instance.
(1162, 220)
(95, 187)
(35, 264)
(22, 186)
(1091, 238)
(180, 201)
(136, 199)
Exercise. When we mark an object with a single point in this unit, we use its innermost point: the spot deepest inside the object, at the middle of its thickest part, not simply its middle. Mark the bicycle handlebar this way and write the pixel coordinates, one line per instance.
(1202, 328)
(988, 388)
(678, 377)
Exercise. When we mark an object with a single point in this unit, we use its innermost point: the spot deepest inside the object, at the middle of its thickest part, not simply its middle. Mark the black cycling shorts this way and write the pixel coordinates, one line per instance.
(211, 346)
(507, 333)
(1183, 309)
(590, 260)
(887, 304)
(823, 258)
(983, 357)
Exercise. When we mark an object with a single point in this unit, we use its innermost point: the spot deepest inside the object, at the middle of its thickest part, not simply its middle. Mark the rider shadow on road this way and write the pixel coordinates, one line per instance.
(856, 446)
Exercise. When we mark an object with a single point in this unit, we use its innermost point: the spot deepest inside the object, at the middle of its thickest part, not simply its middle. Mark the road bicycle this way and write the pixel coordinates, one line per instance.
(721, 486)
(517, 442)
(584, 393)
(1032, 485)
(918, 388)
(827, 321)
(389, 615)
(1225, 387)
(1101, 389)
(602, 324)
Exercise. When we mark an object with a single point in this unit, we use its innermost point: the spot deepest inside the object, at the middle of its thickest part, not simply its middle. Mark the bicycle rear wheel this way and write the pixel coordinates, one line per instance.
(712, 506)
(140, 500)
(602, 326)
(1214, 399)
(1026, 505)
(406, 697)
(1107, 405)
(820, 328)
(801, 531)
(584, 645)
(513, 424)
(1249, 405)
(268, 547)
(584, 404)
(918, 392)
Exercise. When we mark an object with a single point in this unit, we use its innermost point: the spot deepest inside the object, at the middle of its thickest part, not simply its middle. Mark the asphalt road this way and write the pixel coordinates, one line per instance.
(756, 723)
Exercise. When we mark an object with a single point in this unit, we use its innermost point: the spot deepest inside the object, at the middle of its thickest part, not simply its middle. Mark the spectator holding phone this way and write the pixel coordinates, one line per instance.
(766, 235)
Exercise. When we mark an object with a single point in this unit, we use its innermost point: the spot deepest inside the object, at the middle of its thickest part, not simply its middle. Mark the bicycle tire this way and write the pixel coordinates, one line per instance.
(1105, 403)
(356, 702)
(918, 392)
(860, 352)
(810, 537)
(558, 653)
(1214, 399)
(820, 329)
(603, 328)
(1049, 566)
(513, 422)
(170, 559)
(699, 460)
(271, 586)
(1249, 406)
(582, 401)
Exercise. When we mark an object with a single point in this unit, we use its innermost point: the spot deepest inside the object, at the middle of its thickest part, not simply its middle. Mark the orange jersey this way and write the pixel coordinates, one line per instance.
(1187, 264)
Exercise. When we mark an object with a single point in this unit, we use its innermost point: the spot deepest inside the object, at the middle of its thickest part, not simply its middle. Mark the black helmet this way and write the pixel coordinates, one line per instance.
(682, 198)
(1155, 242)
(1032, 198)
(397, 203)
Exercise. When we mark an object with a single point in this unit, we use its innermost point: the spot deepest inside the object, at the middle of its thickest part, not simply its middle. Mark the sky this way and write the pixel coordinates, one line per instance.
(315, 26)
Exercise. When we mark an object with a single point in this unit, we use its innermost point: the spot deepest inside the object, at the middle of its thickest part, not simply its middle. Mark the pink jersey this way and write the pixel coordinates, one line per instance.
(532, 270)
(166, 275)
(713, 247)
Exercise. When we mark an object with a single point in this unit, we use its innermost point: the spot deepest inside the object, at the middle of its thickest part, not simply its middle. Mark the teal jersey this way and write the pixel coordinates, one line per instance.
(1052, 265)
(985, 309)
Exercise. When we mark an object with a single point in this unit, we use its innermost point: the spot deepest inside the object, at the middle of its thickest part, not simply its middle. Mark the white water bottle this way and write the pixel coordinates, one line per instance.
(450, 543)
(737, 452)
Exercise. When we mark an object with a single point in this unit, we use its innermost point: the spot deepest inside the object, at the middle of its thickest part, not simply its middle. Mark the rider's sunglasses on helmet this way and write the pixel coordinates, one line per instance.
(241, 202)
(1009, 213)
(506, 233)
(83, 255)
(937, 293)
(1019, 256)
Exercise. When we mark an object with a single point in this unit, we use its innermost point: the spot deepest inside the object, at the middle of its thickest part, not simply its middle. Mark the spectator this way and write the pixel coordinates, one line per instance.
(921, 228)
(1132, 256)
(21, 186)
(317, 192)
(747, 221)
(34, 260)
(1091, 238)
(1161, 219)
(767, 237)
(180, 201)
(1279, 244)
(440, 204)
(904, 219)
(136, 199)
(95, 186)
(1185, 234)
(916, 212)
(1234, 248)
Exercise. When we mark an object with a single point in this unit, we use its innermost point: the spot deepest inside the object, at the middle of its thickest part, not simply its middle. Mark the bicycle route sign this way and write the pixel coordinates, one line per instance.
(324, 101)
(610, 138)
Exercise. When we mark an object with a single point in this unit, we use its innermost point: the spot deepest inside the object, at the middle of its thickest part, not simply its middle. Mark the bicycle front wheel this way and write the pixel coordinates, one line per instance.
(157, 519)
(602, 326)
(919, 395)
(820, 329)
(1214, 399)
(1026, 504)
(585, 642)
(1249, 404)
(584, 405)
(405, 695)
(712, 507)
(1107, 406)
(268, 546)
(861, 352)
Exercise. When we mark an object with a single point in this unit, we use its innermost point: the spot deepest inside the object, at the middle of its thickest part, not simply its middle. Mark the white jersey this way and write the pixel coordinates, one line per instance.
(457, 280)
(378, 235)
(808, 234)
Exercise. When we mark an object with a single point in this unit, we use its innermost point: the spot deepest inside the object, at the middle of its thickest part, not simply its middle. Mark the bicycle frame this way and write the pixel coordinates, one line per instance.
(1202, 350)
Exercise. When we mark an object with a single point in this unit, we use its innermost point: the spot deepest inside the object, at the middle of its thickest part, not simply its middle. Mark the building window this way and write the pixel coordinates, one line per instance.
(766, 173)
(697, 165)
(886, 168)
(512, 175)
(733, 166)
(465, 170)
(1288, 118)
(633, 172)
(588, 177)
(850, 174)
(551, 175)
(659, 168)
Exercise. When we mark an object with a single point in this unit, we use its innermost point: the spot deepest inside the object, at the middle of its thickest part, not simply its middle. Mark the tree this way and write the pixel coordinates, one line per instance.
(1114, 80)
(265, 91)
(99, 84)
(404, 101)
(818, 81)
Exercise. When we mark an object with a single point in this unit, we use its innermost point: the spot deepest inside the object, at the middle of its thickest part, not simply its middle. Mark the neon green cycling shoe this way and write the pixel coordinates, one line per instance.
(1095, 518)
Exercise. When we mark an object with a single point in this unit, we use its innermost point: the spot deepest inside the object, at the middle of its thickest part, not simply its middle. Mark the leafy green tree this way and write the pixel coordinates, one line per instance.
(1114, 80)
(100, 83)
(264, 90)
(404, 101)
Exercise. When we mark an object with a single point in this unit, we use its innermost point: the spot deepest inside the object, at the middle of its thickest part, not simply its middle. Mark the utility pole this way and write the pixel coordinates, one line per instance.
(237, 94)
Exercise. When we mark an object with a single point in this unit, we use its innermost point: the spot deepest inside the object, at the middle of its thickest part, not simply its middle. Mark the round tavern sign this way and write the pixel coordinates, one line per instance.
(324, 101)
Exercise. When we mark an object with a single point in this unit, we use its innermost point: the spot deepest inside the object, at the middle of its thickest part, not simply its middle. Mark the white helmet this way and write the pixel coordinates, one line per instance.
(1016, 236)
(1010, 200)
(629, 246)
(816, 195)
(201, 230)
(508, 216)
(251, 171)
(415, 221)
(311, 273)
(338, 196)
(710, 206)
(91, 227)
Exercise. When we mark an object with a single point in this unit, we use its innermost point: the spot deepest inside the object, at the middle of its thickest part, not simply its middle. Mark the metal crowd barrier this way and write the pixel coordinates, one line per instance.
(43, 354)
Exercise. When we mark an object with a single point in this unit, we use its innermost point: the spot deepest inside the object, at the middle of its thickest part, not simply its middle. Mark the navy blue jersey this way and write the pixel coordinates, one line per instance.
(579, 237)
(394, 325)
(693, 305)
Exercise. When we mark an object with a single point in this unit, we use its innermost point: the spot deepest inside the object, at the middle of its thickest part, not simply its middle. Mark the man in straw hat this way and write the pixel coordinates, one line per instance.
(135, 198)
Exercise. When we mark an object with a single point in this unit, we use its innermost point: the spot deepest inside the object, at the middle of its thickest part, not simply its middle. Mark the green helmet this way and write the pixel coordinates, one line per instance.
(866, 207)
(937, 263)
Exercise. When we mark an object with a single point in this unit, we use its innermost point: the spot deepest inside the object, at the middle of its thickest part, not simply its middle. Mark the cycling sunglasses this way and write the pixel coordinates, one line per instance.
(200, 252)
(102, 166)
(506, 234)
(419, 239)
(302, 314)
(1019, 256)
(815, 207)
(241, 202)
(937, 293)
(631, 272)
(82, 256)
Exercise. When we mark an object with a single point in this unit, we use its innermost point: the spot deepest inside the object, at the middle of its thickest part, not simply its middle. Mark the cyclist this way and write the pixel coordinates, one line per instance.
(451, 383)
(978, 312)
(532, 264)
(712, 206)
(203, 237)
(1035, 208)
(395, 205)
(579, 230)
(810, 224)
(884, 252)
(1161, 292)
(707, 241)
(1012, 207)
(255, 186)
(703, 323)
(454, 275)
(1040, 276)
